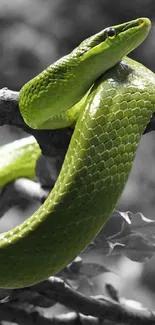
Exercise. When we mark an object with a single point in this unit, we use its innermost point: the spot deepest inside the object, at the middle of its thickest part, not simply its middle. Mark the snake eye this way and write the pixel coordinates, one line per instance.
(110, 32)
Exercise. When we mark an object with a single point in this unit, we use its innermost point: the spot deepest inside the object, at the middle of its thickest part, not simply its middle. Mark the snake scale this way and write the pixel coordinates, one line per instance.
(109, 100)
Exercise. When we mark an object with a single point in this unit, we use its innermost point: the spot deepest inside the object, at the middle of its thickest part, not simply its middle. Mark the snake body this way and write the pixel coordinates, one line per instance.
(18, 159)
(107, 132)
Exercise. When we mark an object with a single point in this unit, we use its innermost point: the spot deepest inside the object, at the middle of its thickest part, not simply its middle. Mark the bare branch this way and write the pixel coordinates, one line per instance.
(21, 188)
(23, 317)
(56, 290)
(107, 309)
(10, 114)
(112, 292)
(52, 142)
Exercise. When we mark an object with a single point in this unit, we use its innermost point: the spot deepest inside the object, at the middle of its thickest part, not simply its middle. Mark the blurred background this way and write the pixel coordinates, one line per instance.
(33, 34)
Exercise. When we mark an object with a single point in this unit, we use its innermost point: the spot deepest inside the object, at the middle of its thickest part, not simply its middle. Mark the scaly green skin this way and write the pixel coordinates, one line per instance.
(18, 159)
(96, 166)
(43, 100)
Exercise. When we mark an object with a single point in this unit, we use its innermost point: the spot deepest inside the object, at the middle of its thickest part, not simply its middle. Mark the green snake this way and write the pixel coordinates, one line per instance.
(108, 99)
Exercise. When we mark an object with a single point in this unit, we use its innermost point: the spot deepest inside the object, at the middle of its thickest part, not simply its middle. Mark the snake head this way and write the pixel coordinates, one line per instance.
(111, 44)
(64, 83)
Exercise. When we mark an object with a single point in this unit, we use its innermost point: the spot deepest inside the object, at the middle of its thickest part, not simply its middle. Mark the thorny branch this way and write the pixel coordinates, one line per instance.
(93, 310)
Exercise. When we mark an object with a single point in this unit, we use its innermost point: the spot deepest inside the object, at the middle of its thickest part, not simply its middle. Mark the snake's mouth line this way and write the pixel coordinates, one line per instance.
(133, 24)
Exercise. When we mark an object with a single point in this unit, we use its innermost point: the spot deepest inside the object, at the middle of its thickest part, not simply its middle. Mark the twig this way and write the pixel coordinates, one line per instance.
(112, 292)
(20, 189)
(30, 190)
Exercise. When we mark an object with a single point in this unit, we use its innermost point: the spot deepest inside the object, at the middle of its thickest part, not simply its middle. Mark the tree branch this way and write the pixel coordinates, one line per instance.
(23, 317)
(52, 142)
(10, 114)
(22, 188)
(56, 290)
